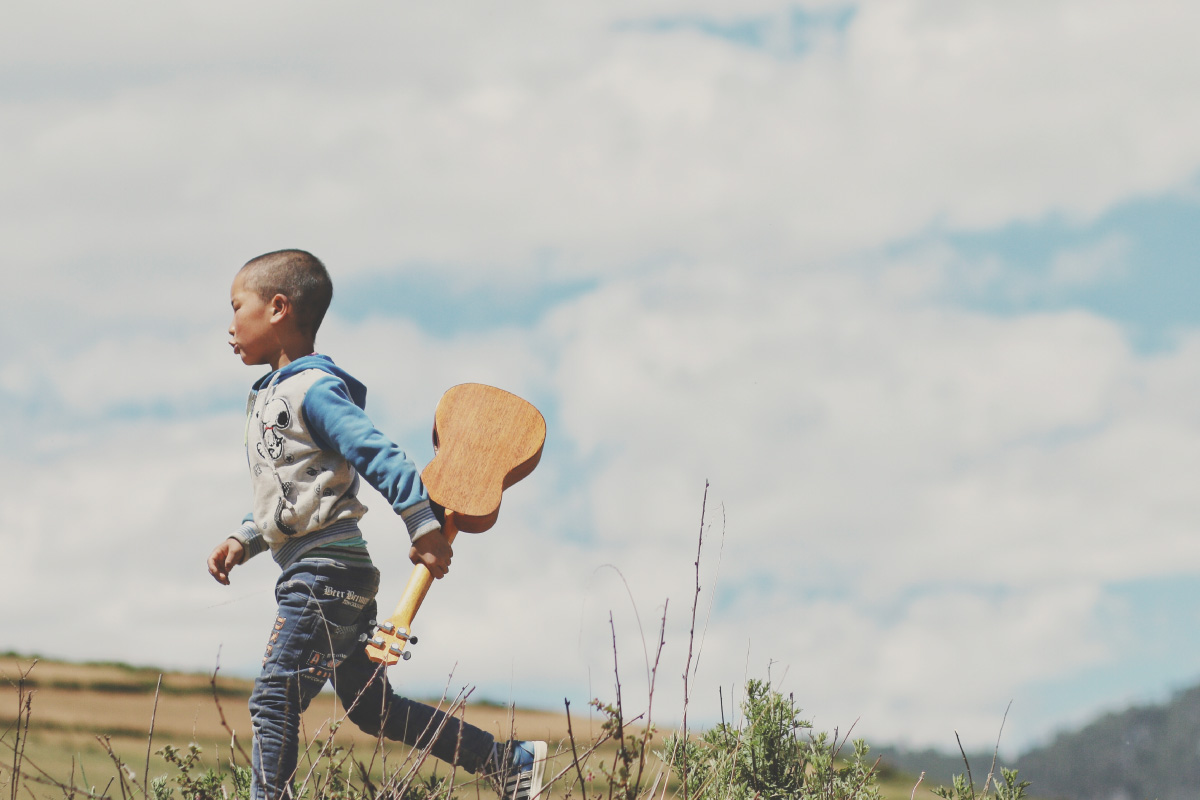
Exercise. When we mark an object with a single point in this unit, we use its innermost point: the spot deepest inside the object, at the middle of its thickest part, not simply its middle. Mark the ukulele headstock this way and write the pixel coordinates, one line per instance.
(387, 646)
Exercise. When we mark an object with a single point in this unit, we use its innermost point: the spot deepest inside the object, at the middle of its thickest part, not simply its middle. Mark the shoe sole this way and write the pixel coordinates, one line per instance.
(540, 751)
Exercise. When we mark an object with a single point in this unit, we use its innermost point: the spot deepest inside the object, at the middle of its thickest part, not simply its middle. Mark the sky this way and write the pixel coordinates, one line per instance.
(895, 301)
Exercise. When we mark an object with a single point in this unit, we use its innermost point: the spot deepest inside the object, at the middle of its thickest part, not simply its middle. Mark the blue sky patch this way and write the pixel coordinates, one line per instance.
(1138, 264)
(445, 310)
(793, 32)
(1154, 651)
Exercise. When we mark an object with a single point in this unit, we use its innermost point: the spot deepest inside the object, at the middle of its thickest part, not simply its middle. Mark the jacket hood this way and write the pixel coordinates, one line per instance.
(358, 392)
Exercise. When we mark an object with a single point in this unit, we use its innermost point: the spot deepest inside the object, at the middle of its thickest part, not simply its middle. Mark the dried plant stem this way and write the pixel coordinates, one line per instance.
(620, 719)
(574, 753)
(692, 637)
(712, 596)
(150, 736)
(970, 780)
(648, 731)
(21, 730)
(575, 763)
(917, 785)
(68, 789)
(123, 770)
(996, 750)
(221, 712)
(867, 776)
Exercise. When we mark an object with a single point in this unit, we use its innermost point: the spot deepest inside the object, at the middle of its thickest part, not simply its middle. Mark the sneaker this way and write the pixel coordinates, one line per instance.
(521, 777)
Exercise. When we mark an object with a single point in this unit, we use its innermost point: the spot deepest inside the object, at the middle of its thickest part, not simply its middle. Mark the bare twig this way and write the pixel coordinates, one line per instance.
(422, 753)
(586, 755)
(838, 747)
(866, 777)
(574, 753)
(648, 731)
(721, 704)
(692, 636)
(42, 777)
(970, 780)
(996, 751)
(712, 596)
(620, 712)
(920, 778)
(150, 737)
(124, 772)
(221, 712)
(24, 712)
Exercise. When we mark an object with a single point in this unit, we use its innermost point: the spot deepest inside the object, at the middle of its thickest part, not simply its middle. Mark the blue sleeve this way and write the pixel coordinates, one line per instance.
(338, 424)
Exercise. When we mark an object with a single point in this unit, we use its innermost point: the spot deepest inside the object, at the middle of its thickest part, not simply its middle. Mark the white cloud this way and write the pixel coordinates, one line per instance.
(597, 145)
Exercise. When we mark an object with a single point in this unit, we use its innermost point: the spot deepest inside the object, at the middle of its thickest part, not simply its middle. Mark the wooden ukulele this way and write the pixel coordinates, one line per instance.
(485, 440)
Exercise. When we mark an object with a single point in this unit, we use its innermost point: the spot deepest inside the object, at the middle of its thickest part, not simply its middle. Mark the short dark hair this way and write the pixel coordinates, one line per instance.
(298, 275)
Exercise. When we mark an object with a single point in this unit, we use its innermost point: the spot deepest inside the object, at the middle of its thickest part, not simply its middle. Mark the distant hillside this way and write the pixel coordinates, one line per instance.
(1143, 753)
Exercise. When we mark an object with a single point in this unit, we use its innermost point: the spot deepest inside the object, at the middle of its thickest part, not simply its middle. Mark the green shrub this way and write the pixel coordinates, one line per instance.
(1008, 788)
(773, 754)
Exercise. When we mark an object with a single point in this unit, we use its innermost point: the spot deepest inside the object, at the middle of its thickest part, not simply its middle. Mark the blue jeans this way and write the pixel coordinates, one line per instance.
(324, 607)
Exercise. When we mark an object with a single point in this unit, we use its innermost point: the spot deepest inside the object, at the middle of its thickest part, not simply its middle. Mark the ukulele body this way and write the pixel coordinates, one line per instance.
(485, 440)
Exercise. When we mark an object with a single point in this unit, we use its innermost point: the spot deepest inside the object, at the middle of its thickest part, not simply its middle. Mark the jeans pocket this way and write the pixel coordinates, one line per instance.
(322, 611)
(345, 600)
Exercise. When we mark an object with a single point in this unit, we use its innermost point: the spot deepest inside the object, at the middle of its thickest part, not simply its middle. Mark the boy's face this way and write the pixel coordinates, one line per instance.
(251, 334)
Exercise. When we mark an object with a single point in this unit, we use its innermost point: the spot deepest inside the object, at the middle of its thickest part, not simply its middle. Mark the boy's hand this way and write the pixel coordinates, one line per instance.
(224, 558)
(434, 552)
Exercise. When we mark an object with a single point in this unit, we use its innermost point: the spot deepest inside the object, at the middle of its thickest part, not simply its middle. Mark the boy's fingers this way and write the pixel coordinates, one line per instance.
(221, 575)
(437, 567)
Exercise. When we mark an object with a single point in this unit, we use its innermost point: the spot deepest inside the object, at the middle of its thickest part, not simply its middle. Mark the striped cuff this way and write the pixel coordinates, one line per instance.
(251, 540)
(419, 520)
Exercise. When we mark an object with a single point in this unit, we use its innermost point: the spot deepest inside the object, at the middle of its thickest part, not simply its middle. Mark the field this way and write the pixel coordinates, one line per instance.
(79, 710)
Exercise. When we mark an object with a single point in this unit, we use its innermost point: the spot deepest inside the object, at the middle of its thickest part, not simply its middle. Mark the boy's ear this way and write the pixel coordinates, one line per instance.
(281, 307)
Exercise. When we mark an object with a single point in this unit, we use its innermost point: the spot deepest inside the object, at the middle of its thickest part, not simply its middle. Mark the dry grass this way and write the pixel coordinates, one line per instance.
(76, 703)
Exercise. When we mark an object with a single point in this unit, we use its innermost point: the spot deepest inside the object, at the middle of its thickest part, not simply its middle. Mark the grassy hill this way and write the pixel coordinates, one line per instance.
(78, 711)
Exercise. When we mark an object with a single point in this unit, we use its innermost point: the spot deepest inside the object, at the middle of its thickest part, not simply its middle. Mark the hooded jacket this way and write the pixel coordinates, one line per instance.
(308, 442)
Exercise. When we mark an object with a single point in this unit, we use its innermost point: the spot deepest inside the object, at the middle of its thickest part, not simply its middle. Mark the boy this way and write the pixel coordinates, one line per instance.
(308, 441)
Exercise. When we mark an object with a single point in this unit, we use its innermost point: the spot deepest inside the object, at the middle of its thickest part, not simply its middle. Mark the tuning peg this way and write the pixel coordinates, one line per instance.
(387, 627)
(412, 640)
